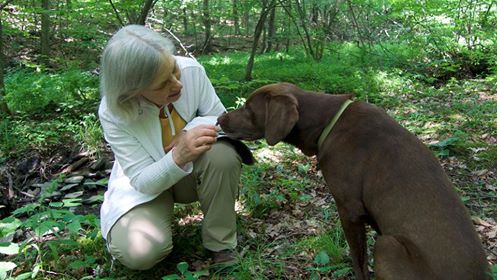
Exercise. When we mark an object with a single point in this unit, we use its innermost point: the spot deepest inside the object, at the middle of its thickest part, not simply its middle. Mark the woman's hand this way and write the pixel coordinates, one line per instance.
(189, 145)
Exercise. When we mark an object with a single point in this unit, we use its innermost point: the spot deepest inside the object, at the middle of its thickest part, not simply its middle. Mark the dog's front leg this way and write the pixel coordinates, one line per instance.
(355, 232)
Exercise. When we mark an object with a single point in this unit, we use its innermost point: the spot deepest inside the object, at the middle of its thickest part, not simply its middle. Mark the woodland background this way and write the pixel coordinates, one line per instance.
(432, 65)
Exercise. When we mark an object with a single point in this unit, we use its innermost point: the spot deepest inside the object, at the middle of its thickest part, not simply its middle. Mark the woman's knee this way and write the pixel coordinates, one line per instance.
(222, 156)
(142, 257)
(140, 239)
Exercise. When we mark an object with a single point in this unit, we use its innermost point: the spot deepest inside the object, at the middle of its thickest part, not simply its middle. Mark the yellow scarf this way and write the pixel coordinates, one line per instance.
(177, 121)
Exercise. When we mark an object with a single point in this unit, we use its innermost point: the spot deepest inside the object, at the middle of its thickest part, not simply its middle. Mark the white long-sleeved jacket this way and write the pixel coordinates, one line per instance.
(142, 170)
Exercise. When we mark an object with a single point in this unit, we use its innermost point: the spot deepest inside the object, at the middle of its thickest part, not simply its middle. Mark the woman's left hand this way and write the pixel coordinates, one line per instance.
(189, 145)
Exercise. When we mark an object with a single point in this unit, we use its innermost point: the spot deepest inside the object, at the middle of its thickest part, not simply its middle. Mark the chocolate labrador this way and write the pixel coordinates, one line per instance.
(379, 174)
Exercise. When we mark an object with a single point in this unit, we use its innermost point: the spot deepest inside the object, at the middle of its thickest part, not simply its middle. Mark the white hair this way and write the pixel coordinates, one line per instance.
(129, 63)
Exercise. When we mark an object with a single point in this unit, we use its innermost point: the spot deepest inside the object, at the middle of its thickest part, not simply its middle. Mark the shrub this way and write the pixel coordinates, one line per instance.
(31, 91)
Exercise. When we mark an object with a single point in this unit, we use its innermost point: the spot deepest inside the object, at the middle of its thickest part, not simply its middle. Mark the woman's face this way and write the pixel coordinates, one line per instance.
(166, 87)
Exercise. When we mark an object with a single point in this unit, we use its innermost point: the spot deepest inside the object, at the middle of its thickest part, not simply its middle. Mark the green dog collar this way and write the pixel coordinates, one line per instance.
(333, 121)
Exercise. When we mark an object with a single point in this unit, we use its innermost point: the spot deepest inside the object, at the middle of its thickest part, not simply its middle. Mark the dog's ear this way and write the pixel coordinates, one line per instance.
(281, 116)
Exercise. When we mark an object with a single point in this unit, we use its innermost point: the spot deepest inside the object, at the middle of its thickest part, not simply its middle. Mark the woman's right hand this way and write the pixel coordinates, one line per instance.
(189, 145)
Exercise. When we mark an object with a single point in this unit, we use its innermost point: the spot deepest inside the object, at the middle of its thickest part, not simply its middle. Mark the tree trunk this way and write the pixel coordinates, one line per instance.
(246, 19)
(147, 6)
(207, 27)
(236, 20)
(3, 104)
(257, 35)
(302, 15)
(185, 21)
(271, 29)
(45, 31)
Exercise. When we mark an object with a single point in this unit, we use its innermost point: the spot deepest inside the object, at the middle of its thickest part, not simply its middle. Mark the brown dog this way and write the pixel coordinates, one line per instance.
(379, 174)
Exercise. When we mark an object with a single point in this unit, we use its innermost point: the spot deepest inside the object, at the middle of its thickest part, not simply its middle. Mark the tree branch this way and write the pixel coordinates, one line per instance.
(174, 36)
(117, 13)
(149, 4)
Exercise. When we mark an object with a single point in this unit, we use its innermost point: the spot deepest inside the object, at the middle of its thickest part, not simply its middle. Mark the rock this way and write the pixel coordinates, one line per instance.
(53, 195)
(68, 187)
(94, 199)
(99, 164)
(75, 165)
(74, 180)
(74, 194)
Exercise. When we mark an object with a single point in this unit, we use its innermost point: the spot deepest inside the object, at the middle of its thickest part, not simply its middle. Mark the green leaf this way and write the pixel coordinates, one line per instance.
(304, 168)
(9, 226)
(46, 227)
(341, 272)
(171, 277)
(322, 258)
(445, 143)
(200, 273)
(442, 153)
(9, 248)
(325, 268)
(56, 204)
(26, 209)
(94, 199)
(24, 276)
(74, 227)
(71, 202)
(6, 267)
(305, 197)
(182, 267)
(87, 262)
(36, 269)
(256, 198)
(314, 276)
(102, 182)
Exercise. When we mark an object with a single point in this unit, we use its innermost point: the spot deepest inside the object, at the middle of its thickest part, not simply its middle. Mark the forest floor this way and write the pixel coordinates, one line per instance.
(288, 223)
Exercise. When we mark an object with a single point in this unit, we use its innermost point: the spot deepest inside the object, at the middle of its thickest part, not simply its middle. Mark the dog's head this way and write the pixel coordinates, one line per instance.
(270, 112)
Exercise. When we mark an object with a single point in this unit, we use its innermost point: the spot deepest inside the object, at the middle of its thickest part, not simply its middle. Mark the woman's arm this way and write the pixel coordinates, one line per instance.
(145, 173)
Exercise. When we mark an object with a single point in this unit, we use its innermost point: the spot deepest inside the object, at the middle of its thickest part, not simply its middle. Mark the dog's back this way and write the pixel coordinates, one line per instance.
(406, 196)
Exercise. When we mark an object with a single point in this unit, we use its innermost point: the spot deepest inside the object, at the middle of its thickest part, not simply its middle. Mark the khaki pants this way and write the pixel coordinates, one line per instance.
(142, 237)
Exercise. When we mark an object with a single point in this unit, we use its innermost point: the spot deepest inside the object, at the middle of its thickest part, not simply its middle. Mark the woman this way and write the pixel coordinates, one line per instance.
(164, 153)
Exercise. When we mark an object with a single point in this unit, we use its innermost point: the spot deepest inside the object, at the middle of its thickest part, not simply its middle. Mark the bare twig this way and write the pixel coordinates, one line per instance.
(27, 194)
(174, 36)
(50, 272)
(117, 13)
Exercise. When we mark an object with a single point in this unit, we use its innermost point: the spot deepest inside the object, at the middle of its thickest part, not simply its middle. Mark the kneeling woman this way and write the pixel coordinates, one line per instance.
(151, 100)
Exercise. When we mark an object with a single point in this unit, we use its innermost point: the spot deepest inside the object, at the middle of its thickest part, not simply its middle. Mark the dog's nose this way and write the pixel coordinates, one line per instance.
(220, 119)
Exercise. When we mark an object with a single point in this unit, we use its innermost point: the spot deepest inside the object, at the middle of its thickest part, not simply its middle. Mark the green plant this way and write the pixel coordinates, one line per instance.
(322, 266)
(91, 135)
(54, 232)
(8, 227)
(36, 91)
(258, 264)
(442, 148)
(7, 140)
(184, 273)
(493, 272)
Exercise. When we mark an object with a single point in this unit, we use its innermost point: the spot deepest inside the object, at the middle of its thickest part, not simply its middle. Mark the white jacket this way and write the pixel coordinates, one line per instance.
(142, 170)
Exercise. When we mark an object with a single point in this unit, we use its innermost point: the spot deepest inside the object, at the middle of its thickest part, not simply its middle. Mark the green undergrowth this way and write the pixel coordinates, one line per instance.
(281, 229)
